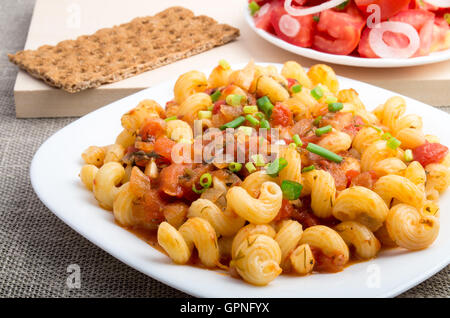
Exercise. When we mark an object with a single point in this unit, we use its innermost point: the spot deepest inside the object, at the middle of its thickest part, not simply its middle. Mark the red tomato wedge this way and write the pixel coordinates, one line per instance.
(423, 21)
(339, 31)
(294, 30)
(430, 153)
(388, 8)
(262, 18)
(441, 35)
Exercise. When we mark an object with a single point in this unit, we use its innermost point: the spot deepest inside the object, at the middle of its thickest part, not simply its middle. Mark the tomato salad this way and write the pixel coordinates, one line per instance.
(361, 28)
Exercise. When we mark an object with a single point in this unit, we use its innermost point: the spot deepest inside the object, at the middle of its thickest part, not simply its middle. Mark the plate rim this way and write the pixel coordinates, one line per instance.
(347, 60)
(86, 234)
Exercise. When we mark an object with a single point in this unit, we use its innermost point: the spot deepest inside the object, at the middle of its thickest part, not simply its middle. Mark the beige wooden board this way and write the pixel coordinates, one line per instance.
(54, 21)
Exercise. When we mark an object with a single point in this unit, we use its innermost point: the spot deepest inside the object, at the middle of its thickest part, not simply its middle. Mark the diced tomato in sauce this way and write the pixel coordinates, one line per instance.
(340, 179)
(217, 106)
(430, 153)
(282, 115)
(163, 146)
(169, 180)
(291, 82)
(152, 128)
(325, 263)
(365, 179)
(149, 209)
(285, 212)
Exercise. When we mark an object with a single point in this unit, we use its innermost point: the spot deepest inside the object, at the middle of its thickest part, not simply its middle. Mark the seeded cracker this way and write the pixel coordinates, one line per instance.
(113, 54)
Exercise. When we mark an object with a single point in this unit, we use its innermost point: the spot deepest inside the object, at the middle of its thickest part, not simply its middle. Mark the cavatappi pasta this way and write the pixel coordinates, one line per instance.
(341, 183)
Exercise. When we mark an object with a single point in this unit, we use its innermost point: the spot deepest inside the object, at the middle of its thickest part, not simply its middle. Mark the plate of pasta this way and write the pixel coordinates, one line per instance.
(259, 180)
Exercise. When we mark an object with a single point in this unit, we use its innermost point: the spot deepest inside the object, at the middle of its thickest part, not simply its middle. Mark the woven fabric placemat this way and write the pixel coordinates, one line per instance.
(36, 248)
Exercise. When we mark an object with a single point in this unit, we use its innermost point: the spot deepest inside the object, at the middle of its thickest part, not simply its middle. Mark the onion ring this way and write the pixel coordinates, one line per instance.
(307, 11)
(383, 50)
(289, 26)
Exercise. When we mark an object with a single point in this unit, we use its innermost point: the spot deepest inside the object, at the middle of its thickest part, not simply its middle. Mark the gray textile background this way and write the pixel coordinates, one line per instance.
(35, 246)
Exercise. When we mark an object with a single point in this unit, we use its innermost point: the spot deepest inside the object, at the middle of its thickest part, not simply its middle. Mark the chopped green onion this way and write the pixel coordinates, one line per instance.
(297, 140)
(246, 130)
(171, 118)
(393, 143)
(204, 114)
(194, 188)
(254, 7)
(252, 120)
(276, 166)
(224, 64)
(264, 124)
(265, 105)
(343, 5)
(408, 155)
(316, 18)
(331, 99)
(250, 167)
(206, 180)
(259, 160)
(234, 123)
(324, 152)
(292, 145)
(296, 88)
(235, 167)
(317, 92)
(215, 96)
(386, 136)
(309, 168)
(291, 189)
(210, 108)
(316, 121)
(376, 128)
(234, 99)
(335, 107)
(250, 109)
(323, 130)
(259, 115)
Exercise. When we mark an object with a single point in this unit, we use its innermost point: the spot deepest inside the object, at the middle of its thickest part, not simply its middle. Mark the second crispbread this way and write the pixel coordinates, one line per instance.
(113, 54)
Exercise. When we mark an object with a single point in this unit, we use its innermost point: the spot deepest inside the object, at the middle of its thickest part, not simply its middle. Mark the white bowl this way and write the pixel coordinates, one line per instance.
(346, 59)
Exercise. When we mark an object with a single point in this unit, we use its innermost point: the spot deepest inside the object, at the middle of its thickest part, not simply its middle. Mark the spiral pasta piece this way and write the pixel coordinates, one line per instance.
(225, 223)
(194, 232)
(146, 109)
(295, 71)
(249, 230)
(287, 238)
(87, 175)
(328, 241)
(376, 152)
(336, 141)
(293, 171)
(258, 211)
(179, 130)
(396, 187)
(323, 74)
(438, 177)
(355, 234)
(362, 205)
(323, 192)
(94, 155)
(123, 205)
(257, 259)
(105, 182)
(190, 107)
(302, 259)
(253, 182)
(187, 84)
(411, 229)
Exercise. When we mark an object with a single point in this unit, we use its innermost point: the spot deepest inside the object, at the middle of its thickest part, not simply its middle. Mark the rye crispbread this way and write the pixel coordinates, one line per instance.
(116, 53)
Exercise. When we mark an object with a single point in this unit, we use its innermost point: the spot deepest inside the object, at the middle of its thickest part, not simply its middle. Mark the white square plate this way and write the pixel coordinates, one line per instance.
(54, 176)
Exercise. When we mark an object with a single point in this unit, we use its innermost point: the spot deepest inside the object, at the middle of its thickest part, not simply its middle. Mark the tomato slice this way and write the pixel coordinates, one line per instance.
(298, 31)
(262, 18)
(339, 31)
(423, 21)
(441, 35)
(430, 153)
(388, 8)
